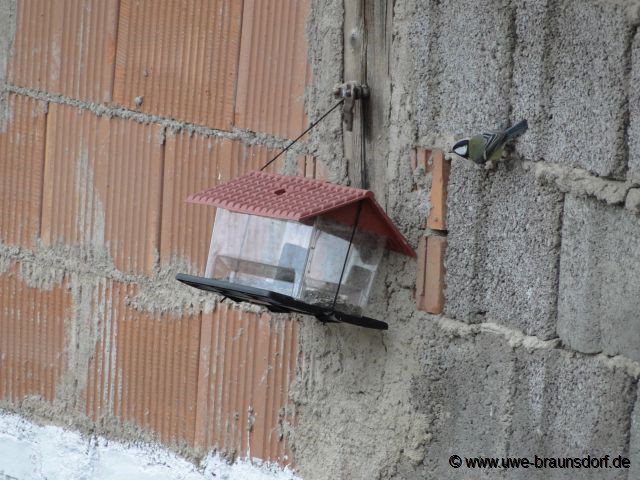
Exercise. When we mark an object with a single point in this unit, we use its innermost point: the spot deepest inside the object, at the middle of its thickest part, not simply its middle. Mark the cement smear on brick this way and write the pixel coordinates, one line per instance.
(247, 137)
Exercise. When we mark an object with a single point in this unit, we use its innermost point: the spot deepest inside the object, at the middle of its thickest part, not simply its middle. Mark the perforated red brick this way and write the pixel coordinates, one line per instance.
(144, 369)
(312, 167)
(273, 69)
(66, 46)
(179, 59)
(32, 336)
(21, 162)
(247, 365)
(102, 186)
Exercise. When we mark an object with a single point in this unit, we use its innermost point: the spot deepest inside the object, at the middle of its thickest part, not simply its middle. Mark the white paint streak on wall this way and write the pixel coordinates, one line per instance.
(32, 452)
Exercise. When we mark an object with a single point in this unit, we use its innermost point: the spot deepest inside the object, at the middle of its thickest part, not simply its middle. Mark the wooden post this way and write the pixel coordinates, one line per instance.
(367, 43)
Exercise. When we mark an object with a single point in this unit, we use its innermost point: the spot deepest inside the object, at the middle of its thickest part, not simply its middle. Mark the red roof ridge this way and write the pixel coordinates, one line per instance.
(293, 198)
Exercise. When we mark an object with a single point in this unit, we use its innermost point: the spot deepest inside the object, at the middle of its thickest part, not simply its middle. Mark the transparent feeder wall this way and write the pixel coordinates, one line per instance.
(302, 261)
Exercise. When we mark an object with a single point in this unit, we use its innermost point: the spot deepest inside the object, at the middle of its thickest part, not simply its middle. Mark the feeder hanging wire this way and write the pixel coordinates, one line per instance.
(302, 134)
(346, 258)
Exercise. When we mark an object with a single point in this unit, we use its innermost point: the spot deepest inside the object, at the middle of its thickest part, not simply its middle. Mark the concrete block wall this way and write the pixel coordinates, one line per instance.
(535, 352)
(112, 112)
(539, 217)
(598, 286)
(511, 395)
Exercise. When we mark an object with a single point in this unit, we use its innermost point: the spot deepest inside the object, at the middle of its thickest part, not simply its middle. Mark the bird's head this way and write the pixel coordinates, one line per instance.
(461, 148)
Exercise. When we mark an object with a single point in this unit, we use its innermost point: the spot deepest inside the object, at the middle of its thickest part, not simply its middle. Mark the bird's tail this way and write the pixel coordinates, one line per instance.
(517, 129)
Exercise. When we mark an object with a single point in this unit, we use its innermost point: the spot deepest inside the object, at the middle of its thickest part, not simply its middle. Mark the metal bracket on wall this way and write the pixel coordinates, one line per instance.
(350, 92)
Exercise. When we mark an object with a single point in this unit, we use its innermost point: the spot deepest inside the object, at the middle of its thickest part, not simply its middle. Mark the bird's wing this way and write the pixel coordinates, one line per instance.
(493, 141)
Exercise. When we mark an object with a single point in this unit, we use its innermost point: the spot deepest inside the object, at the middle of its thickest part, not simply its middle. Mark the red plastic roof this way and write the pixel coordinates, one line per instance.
(299, 198)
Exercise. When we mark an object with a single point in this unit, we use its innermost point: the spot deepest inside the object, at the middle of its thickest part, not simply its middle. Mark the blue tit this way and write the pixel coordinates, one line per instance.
(488, 147)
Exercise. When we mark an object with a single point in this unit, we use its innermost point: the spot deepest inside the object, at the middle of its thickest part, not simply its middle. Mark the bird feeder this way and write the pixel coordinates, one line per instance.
(296, 244)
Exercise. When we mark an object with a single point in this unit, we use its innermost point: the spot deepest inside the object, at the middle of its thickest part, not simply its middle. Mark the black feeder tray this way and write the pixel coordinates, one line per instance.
(276, 302)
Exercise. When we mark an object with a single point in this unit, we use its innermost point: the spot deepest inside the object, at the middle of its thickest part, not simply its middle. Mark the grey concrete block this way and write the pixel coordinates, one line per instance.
(570, 406)
(599, 292)
(466, 244)
(463, 66)
(523, 247)
(503, 248)
(465, 394)
(483, 397)
(634, 111)
(588, 58)
(530, 73)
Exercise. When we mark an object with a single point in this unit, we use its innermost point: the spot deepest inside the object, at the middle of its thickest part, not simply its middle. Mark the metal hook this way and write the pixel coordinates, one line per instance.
(350, 92)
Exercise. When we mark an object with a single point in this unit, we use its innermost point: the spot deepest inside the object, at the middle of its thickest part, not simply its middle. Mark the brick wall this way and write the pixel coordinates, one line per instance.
(112, 113)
